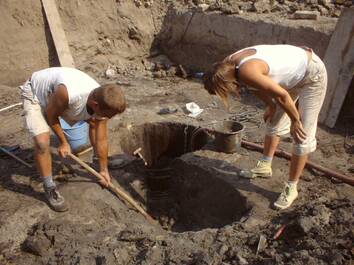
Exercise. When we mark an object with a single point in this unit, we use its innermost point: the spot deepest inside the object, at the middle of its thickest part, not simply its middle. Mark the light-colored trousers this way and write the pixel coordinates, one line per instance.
(310, 93)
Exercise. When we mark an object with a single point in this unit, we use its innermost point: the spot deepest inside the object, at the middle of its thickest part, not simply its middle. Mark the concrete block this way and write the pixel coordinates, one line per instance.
(306, 15)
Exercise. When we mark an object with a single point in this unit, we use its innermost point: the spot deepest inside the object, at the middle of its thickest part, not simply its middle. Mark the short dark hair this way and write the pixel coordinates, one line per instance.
(110, 97)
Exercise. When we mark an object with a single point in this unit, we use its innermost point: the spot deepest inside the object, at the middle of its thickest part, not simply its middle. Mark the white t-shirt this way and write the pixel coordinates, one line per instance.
(78, 84)
(287, 63)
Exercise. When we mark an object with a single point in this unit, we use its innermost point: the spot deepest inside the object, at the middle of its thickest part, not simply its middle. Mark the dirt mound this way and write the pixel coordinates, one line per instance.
(318, 233)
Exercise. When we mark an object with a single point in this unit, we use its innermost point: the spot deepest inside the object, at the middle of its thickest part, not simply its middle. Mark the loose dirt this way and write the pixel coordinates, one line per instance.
(206, 213)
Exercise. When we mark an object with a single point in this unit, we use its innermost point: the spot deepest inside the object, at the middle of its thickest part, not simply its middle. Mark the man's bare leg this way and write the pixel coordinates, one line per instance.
(42, 154)
(43, 160)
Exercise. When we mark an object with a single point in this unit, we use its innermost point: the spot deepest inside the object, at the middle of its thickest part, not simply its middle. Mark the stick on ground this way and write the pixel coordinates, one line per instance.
(121, 194)
(15, 157)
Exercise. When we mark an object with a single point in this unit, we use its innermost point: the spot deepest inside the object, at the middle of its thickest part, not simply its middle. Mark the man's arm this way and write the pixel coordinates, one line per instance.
(57, 104)
(101, 135)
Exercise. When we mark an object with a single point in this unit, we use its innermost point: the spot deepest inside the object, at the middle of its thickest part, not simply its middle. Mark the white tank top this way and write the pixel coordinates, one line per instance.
(287, 64)
(78, 84)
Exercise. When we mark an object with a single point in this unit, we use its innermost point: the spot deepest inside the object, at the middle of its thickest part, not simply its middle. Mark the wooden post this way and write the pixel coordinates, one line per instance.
(58, 34)
(339, 61)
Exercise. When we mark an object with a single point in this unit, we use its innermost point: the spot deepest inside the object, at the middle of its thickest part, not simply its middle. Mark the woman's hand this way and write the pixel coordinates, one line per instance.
(298, 132)
(269, 113)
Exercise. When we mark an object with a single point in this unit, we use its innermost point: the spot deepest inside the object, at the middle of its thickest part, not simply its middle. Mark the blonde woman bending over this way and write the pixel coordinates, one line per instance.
(279, 75)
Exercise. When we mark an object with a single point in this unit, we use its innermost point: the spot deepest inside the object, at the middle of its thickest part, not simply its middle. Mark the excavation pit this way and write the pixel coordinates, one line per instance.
(183, 197)
(162, 139)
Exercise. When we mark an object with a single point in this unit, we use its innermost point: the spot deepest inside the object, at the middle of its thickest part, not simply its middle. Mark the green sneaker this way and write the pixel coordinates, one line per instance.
(263, 169)
(287, 197)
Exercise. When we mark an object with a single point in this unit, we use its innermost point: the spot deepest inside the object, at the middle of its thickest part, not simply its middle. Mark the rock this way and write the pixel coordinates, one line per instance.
(262, 243)
(241, 260)
(313, 15)
(223, 249)
(230, 8)
(322, 214)
(159, 74)
(312, 2)
(138, 3)
(148, 4)
(349, 3)
(36, 245)
(134, 34)
(149, 66)
(325, 3)
(293, 8)
(171, 72)
(203, 7)
(323, 11)
(279, 8)
(339, 2)
(305, 224)
(302, 254)
(261, 6)
(110, 72)
(336, 13)
(181, 71)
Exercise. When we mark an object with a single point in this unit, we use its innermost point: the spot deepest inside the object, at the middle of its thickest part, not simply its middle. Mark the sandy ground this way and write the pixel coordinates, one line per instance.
(208, 215)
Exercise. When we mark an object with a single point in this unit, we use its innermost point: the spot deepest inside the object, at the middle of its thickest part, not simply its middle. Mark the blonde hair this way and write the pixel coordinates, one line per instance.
(110, 97)
(216, 83)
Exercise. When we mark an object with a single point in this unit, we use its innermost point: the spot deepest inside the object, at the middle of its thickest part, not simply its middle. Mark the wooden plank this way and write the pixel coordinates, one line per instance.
(339, 61)
(58, 34)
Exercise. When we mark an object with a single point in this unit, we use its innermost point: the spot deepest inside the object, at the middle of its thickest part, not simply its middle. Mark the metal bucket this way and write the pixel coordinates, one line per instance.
(228, 136)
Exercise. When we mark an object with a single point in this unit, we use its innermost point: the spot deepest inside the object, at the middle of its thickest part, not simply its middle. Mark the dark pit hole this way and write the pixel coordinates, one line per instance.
(162, 139)
(183, 197)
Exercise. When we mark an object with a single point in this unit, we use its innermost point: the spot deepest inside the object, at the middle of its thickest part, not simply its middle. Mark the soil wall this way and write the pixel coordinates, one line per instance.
(99, 33)
(197, 39)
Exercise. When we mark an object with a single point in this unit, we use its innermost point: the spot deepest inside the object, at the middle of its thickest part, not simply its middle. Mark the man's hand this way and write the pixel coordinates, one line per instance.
(297, 132)
(269, 113)
(107, 178)
(64, 149)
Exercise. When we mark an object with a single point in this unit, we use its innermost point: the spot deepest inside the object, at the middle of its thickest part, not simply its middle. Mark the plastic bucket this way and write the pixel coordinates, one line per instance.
(77, 135)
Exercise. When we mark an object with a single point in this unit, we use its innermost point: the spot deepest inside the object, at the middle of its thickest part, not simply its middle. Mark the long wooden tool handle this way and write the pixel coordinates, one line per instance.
(113, 188)
(15, 157)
